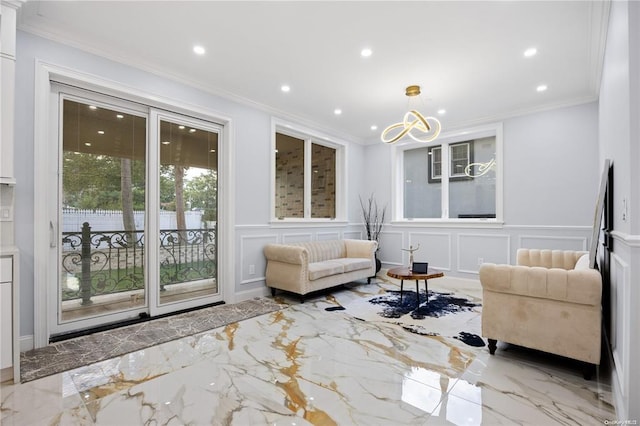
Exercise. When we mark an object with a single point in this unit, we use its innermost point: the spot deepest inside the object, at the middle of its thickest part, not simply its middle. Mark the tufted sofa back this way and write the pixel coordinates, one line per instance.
(319, 251)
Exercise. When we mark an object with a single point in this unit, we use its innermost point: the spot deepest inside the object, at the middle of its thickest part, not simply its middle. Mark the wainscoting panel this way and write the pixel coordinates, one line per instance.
(434, 248)
(324, 236)
(296, 238)
(552, 242)
(353, 235)
(391, 245)
(252, 261)
(620, 338)
(475, 249)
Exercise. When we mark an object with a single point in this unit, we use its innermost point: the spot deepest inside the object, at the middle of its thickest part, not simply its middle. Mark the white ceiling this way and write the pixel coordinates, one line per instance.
(467, 56)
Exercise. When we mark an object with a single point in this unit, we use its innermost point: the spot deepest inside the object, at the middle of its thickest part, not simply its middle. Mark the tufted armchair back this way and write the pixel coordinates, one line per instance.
(563, 259)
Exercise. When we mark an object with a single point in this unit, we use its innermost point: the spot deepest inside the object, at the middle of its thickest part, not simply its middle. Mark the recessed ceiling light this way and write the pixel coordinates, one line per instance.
(366, 52)
(192, 130)
(541, 88)
(212, 150)
(285, 88)
(530, 52)
(181, 127)
(165, 142)
(119, 116)
(101, 132)
(198, 50)
(93, 107)
(374, 127)
(87, 144)
(442, 111)
(337, 111)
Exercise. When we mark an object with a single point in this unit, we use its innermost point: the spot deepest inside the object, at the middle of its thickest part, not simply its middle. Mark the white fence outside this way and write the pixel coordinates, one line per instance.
(111, 220)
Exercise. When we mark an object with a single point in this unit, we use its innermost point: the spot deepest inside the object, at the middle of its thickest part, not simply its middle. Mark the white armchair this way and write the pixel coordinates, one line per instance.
(550, 301)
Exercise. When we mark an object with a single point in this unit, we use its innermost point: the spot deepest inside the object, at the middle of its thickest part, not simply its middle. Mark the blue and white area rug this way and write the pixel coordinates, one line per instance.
(452, 308)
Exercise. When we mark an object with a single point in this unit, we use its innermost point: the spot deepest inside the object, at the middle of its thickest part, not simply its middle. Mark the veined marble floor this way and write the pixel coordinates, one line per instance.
(304, 365)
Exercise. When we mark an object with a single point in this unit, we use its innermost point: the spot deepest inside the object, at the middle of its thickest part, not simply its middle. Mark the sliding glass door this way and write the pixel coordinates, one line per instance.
(188, 215)
(136, 218)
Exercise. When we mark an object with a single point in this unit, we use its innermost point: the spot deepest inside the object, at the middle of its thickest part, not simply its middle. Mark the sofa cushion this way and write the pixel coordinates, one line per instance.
(583, 262)
(353, 263)
(324, 269)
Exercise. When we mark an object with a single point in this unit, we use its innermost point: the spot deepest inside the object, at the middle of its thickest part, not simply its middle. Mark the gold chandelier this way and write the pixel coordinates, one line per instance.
(414, 124)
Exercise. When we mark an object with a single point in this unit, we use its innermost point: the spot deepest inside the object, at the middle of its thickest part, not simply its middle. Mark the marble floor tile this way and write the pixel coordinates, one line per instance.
(304, 365)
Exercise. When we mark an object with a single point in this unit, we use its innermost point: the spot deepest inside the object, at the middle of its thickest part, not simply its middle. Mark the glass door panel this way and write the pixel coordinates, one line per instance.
(102, 241)
(188, 217)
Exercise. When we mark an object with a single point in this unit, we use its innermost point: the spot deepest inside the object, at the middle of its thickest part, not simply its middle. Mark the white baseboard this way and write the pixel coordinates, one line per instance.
(251, 294)
(26, 343)
(6, 374)
(617, 394)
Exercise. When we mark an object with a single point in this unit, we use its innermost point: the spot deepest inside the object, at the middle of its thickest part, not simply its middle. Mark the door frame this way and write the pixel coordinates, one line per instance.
(45, 73)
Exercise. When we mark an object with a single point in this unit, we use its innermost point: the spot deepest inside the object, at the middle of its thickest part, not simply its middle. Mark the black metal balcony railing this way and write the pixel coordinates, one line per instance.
(106, 262)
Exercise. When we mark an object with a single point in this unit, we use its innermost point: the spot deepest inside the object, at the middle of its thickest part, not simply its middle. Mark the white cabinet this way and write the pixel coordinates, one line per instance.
(9, 349)
(6, 323)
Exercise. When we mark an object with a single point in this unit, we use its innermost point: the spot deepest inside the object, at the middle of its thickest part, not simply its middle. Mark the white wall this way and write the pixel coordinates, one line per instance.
(551, 178)
(619, 140)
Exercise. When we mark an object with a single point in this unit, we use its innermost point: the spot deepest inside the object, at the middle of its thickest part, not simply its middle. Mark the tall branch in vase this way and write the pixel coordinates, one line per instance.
(373, 218)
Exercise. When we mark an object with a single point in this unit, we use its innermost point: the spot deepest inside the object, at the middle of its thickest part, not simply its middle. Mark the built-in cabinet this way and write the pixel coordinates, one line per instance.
(9, 346)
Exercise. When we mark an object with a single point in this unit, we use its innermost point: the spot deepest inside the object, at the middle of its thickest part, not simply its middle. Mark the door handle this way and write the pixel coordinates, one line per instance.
(52, 235)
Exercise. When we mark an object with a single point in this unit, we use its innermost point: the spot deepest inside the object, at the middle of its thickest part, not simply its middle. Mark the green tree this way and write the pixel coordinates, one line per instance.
(202, 192)
(93, 181)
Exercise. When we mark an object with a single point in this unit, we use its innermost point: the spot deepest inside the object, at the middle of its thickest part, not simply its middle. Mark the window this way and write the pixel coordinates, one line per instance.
(307, 170)
(456, 179)
(460, 155)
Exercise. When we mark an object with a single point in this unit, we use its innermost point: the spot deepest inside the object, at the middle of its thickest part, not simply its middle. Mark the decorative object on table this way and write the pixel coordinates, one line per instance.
(411, 250)
(414, 124)
(419, 267)
(373, 218)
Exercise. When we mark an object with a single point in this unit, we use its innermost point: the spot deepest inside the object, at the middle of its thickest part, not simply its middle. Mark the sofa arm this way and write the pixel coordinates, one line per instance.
(295, 255)
(361, 248)
(575, 286)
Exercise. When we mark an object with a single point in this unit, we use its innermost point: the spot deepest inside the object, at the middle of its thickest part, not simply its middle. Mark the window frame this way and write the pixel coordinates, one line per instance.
(310, 137)
(448, 139)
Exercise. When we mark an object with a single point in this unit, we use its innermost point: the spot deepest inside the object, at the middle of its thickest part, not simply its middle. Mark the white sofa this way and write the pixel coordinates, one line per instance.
(550, 301)
(303, 268)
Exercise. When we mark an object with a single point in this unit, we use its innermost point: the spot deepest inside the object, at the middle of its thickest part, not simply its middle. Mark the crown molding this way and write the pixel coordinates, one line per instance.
(598, 26)
(495, 118)
(136, 62)
(14, 4)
